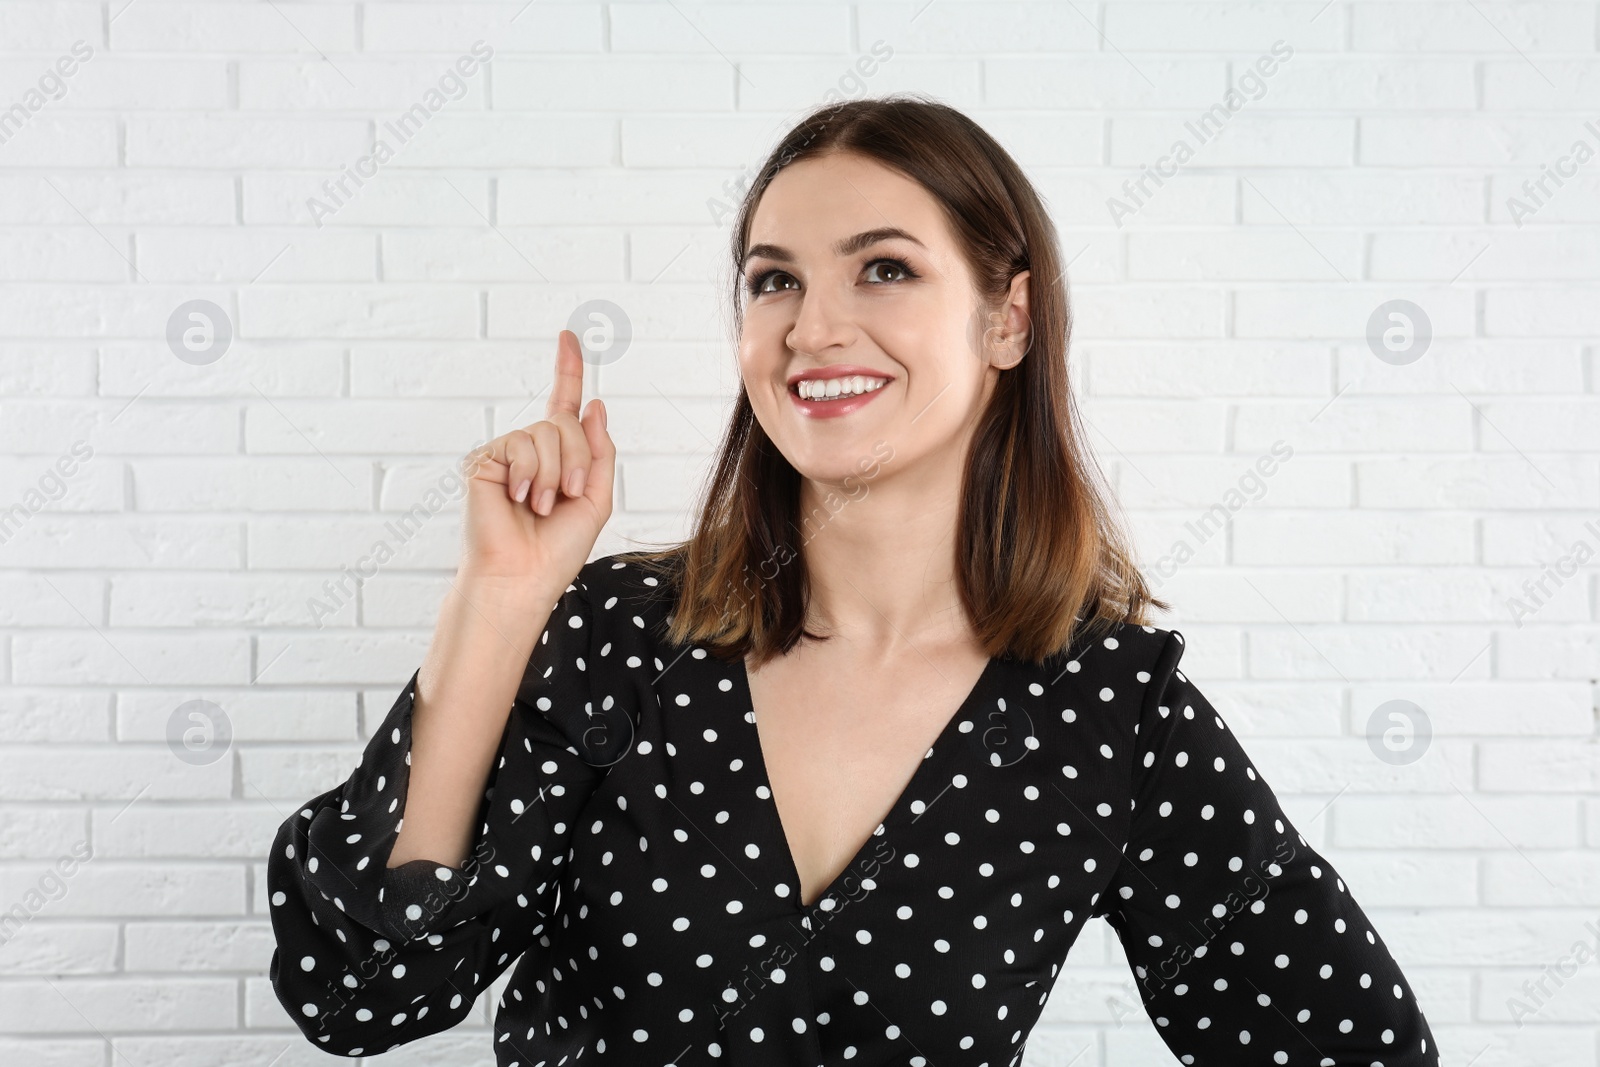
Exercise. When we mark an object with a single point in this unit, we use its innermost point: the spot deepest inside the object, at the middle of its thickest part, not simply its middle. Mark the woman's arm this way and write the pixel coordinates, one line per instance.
(399, 895)
(1247, 945)
(479, 653)
(371, 956)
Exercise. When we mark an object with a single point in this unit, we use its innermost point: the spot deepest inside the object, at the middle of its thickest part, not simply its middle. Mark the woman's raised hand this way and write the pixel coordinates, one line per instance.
(538, 497)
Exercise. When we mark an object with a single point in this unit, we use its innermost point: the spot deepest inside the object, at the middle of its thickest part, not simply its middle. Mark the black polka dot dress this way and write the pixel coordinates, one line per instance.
(630, 863)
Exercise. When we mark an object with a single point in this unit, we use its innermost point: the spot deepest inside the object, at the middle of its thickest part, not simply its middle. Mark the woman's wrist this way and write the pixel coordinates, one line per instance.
(501, 590)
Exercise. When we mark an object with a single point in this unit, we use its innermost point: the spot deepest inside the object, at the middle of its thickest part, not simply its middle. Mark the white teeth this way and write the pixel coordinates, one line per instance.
(829, 389)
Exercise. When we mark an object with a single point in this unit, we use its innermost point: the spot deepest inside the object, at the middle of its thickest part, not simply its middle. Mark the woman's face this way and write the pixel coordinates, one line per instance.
(853, 280)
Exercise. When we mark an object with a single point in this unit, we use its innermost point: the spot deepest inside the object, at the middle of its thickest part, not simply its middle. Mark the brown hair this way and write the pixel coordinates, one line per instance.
(1040, 562)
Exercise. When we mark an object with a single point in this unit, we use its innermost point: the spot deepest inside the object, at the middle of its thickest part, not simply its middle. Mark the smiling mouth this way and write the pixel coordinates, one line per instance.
(824, 389)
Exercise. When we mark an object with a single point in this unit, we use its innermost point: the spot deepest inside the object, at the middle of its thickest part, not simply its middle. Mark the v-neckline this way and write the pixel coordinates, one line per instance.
(742, 677)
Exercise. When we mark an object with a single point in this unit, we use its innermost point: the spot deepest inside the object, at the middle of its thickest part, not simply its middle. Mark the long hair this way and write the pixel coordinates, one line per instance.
(1041, 562)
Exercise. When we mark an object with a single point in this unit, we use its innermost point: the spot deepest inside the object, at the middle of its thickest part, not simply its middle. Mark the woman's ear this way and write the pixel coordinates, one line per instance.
(1010, 333)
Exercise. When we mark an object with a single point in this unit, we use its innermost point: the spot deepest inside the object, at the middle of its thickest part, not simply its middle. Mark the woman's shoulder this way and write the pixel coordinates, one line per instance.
(1117, 646)
(1118, 664)
(627, 585)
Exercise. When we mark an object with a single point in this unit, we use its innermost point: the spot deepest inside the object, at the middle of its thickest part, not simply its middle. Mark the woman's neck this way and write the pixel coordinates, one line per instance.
(882, 565)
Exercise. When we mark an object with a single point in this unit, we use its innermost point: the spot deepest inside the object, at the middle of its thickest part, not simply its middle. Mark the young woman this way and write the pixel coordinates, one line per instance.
(843, 776)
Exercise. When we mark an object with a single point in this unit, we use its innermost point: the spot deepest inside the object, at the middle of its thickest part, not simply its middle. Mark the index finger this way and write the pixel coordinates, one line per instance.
(567, 393)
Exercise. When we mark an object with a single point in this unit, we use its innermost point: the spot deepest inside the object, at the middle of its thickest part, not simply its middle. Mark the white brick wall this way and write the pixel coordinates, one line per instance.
(1228, 313)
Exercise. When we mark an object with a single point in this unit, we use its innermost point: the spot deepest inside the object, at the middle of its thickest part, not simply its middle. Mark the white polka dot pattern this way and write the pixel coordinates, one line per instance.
(1246, 944)
(632, 866)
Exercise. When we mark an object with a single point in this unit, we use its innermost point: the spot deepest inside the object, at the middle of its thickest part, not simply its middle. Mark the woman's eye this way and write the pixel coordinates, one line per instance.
(895, 265)
(758, 284)
(776, 280)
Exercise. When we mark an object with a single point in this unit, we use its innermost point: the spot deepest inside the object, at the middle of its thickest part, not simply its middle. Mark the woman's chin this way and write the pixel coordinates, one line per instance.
(847, 461)
(845, 479)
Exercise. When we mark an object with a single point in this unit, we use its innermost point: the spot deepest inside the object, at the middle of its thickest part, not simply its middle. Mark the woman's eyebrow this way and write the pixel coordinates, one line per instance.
(845, 247)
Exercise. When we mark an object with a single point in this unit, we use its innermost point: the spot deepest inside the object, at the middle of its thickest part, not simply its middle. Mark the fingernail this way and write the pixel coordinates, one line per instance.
(522, 490)
(575, 482)
(547, 500)
(602, 415)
